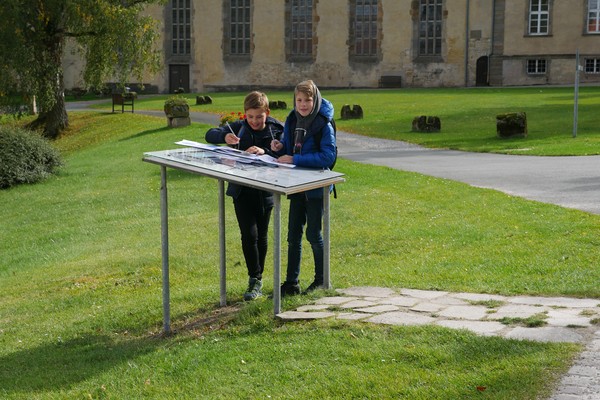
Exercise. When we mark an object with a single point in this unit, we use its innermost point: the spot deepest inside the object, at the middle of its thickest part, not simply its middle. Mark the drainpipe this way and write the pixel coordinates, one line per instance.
(492, 34)
(467, 45)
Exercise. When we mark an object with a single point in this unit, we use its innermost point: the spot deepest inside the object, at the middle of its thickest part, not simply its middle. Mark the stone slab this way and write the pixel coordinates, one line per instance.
(422, 294)
(401, 301)
(357, 304)
(478, 297)
(427, 307)
(449, 300)
(377, 309)
(485, 328)
(364, 291)
(352, 316)
(401, 318)
(516, 311)
(335, 300)
(313, 307)
(545, 334)
(474, 313)
(556, 301)
(303, 315)
(564, 317)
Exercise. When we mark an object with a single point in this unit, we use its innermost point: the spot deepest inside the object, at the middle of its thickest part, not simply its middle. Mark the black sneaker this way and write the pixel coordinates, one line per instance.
(254, 289)
(289, 289)
(314, 286)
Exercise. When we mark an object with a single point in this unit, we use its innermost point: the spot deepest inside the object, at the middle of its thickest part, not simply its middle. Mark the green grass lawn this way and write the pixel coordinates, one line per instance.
(468, 116)
(81, 312)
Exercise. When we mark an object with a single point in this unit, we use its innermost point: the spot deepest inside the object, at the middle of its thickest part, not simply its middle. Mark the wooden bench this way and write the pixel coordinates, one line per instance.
(123, 100)
(390, 81)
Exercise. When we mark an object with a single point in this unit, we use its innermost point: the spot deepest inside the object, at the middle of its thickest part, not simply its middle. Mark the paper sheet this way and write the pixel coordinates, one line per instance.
(231, 152)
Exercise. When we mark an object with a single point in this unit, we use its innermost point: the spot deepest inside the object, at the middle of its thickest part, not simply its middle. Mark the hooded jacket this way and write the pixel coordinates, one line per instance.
(313, 154)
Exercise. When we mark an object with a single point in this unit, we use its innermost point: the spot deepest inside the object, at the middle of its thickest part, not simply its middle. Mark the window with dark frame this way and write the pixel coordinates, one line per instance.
(301, 23)
(365, 28)
(593, 19)
(181, 27)
(239, 27)
(539, 17)
(536, 66)
(430, 27)
(592, 65)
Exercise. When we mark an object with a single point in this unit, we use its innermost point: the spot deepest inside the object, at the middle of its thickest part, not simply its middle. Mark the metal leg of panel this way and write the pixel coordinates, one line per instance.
(164, 236)
(277, 255)
(326, 237)
(222, 265)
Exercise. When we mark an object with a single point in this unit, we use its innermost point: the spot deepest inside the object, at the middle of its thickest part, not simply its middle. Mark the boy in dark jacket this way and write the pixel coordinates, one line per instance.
(309, 142)
(252, 206)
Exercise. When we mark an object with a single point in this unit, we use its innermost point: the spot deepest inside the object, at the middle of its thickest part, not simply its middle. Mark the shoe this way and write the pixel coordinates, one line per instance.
(289, 289)
(314, 286)
(254, 289)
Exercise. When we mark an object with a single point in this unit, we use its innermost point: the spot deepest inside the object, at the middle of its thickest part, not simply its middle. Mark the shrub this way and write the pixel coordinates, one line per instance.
(25, 157)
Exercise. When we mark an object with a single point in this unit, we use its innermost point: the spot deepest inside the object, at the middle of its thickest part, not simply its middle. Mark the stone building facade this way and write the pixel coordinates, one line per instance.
(238, 44)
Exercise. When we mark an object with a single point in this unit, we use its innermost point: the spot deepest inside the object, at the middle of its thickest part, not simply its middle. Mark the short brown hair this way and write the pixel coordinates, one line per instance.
(307, 87)
(256, 100)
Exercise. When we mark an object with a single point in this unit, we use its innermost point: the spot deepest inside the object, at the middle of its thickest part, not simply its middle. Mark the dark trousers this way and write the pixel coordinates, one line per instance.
(253, 219)
(303, 212)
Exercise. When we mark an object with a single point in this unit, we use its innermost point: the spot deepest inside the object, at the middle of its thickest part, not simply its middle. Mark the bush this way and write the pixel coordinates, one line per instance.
(25, 157)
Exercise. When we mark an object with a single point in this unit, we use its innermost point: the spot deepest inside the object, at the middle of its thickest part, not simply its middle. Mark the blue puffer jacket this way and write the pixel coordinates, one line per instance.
(313, 155)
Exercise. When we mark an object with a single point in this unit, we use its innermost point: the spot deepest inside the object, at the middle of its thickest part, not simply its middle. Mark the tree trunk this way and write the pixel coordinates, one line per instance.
(54, 120)
(52, 117)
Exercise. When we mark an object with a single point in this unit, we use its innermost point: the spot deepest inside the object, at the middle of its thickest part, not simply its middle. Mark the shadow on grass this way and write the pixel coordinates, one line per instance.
(145, 133)
(60, 365)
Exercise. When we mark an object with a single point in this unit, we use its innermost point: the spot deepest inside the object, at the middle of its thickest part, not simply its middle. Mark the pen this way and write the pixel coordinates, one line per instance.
(229, 126)
(271, 132)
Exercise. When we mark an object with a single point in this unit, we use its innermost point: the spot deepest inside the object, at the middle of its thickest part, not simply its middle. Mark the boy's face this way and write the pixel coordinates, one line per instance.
(304, 104)
(257, 118)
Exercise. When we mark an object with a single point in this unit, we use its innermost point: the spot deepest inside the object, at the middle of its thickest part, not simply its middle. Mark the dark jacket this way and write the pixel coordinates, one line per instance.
(313, 154)
(248, 138)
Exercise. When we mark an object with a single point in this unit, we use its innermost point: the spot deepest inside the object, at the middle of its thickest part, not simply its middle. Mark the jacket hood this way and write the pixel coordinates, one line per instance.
(326, 109)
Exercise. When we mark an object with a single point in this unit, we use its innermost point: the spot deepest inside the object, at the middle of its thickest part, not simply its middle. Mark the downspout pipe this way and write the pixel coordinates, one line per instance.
(493, 34)
(467, 43)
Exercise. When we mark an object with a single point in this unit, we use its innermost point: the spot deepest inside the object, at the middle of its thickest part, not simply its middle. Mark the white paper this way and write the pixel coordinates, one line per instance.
(231, 152)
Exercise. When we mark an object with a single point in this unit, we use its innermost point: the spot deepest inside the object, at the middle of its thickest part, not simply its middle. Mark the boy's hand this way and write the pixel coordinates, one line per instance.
(276, 145)
(230, 138)
(286, 159)
(255, 150)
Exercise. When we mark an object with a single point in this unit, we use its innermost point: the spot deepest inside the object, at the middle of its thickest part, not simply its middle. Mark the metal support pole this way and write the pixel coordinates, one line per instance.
(222, 262)
(277, 255)
(164, 237)
(576, 106)
(326, 237)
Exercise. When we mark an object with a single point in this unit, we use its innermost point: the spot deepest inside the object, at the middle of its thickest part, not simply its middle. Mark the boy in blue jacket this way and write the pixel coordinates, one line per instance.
(252, 206)
(308, 141)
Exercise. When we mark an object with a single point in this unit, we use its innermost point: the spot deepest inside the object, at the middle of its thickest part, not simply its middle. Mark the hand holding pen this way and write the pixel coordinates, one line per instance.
(231, 138)
(276, 145)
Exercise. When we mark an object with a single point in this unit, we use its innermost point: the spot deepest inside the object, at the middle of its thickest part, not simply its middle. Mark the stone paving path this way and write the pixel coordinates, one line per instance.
(567, 320)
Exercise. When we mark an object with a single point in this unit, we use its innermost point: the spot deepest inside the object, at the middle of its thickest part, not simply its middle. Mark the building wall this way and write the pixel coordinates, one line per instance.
(468, 26)
(332, 65)
(567, 34)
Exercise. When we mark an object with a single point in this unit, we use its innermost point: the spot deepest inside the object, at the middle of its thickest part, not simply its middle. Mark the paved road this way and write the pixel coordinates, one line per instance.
(572, 182)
